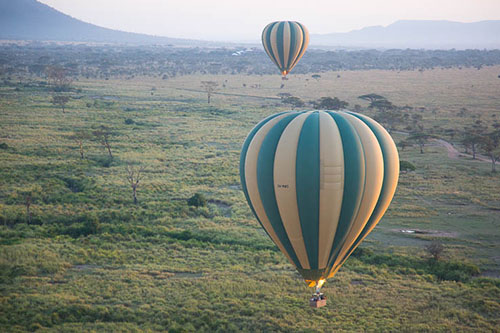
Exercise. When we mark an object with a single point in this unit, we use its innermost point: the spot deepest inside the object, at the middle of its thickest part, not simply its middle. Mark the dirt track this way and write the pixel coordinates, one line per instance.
(455, 154)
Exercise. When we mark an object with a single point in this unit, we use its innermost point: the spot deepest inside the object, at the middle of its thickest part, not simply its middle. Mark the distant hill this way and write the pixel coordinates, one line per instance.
(418, 34)
(32, 20)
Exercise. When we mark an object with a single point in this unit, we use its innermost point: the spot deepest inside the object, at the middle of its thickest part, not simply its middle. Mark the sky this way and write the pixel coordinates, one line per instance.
(236, 20)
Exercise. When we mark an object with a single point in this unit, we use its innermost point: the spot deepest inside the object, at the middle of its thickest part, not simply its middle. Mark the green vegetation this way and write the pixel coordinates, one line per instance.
(76, 253)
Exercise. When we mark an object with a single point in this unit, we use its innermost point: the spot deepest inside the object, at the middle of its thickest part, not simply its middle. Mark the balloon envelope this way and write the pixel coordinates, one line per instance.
(318, 183)
(285, 43)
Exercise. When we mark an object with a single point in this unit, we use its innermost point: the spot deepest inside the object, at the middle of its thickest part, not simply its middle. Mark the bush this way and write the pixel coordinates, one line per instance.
(454, 270)
(406, 166)
(197, 200)
(4, 146)
(129, 121)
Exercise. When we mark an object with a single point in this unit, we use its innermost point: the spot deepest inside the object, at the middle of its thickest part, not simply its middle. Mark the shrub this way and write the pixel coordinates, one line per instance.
(406, 166)
(197, 200)
(454, 270)
(4, 146)
(129, 121)
(435, 249)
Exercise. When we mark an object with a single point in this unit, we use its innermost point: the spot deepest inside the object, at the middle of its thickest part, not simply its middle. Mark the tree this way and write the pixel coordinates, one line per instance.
(61, 101)
(103, 135)
(405, 166)
(372, 97)
(435, 249)
(197, 200)
(420, 138)
(79, 137)
(210, 87)
(382, 105)
(490, 143)
(58, 78)
(473, 135)
(134, 177)
(390, 119)
(283, 95)
(328, 103)
(29, 195)
(293, 101)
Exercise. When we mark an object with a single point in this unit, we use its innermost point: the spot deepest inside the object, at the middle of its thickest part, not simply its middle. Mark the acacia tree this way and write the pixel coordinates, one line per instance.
(473, 135)
(435, 249)
(58, 78)
(420, 137)
(295, 102)
(329, 103)
(79, 137)
(61, 101)
(103, 135)
(490, 143)
(372, 97)
(210, 87)
(134, 176)
(29, 195)
(390, 119)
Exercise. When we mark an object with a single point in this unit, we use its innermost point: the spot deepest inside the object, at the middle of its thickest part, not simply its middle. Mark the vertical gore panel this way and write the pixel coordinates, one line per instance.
(265, 182)
(331, 184)
(280, 44)
(373, 182)
(354, 179)
(286, 44)
(285, 189)
(267, 42)
(295, 41)
(391, 174)
(307, 178)
(243, 156)
(251, 180)
(305, 42)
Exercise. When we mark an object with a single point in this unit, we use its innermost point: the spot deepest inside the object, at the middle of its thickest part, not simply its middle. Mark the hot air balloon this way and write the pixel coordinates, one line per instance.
(318, 182)
(285, 43)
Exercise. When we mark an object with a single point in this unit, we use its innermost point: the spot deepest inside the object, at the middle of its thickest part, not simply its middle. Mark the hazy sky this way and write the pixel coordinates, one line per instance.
(244, 20)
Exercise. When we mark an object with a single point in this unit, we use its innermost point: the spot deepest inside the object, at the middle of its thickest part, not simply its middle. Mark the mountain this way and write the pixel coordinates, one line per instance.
(32, 20)
(418, 34)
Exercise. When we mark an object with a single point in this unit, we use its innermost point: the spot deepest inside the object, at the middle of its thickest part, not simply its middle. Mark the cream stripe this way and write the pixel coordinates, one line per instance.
(391, 173)
(251, 180)
(373, 182)
(286, 44)
(274, 45)
(331, 184)
(285, 186)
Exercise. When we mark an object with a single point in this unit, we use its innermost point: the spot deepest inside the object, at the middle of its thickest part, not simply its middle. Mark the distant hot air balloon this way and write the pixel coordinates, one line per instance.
(318, 183)
(285, 43)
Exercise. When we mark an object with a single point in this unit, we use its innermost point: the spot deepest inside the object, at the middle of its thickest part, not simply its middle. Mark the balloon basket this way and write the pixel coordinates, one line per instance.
(317, 301)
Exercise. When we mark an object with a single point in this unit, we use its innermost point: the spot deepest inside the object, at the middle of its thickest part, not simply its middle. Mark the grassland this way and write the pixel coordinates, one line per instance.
(91, 260)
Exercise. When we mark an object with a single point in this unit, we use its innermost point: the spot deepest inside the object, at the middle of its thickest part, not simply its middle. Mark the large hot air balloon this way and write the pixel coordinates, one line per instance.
(285, 43)
(318, 183)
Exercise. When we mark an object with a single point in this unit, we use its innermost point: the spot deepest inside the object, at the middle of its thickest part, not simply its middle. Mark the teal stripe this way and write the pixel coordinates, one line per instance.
(265, 182)
(303, 32)
(354, 180)
(269, 43)
(307, 185)
(280, 45)
(385, 192)
(243, 156)
(293, 36)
